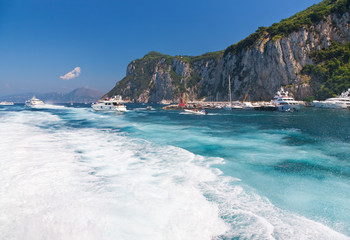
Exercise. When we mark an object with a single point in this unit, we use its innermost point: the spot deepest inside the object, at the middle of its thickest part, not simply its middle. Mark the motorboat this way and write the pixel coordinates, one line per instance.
(110, 104)
(6, 103)
(342, 101)
(248, 105)
(237, 106)
(196, 111)
(284, 102)
(34, 102)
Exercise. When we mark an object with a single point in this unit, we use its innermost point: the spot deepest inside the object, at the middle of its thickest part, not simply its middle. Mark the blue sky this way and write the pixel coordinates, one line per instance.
(42, 40)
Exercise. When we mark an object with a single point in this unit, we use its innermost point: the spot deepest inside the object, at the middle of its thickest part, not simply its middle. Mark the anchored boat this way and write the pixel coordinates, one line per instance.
(284, 102)
(281, 102)
(6, 103)
(342, 101)
(112, 105)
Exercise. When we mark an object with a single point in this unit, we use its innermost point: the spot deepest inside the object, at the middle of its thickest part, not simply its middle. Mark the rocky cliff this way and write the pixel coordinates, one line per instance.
(258, 65)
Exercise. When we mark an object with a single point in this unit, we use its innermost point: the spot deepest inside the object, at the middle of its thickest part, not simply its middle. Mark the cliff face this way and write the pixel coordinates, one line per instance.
(269, 64)
(258, 69)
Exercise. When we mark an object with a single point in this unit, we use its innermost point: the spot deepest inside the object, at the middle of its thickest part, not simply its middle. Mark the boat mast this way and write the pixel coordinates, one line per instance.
(229, 89)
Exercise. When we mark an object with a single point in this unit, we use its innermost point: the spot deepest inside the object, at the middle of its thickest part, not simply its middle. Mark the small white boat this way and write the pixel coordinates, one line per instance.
(34, 102)
(110, 105)
(248, 105)
(6, 103)
(284, 102)
(237, 106)
(227, 108)
(196, 111)
(342, 101)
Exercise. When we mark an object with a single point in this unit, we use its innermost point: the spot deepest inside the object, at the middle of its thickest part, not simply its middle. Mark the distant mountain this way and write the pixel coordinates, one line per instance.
(82, 95)
(78, 95)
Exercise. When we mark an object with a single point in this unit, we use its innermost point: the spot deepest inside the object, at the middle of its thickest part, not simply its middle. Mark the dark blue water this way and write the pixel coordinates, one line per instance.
(252, 175)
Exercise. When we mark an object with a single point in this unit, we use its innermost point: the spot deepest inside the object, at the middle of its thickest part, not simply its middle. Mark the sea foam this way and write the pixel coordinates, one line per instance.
(96, 184)
(64, 182)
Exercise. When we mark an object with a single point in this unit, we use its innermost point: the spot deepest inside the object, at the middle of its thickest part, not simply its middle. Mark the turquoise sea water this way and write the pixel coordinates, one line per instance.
(71, 173)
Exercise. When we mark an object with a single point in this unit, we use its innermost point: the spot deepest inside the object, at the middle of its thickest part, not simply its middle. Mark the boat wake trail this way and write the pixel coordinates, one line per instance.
(60, 182)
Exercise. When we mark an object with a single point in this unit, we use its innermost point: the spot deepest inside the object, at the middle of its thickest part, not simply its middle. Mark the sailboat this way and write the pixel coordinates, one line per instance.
(229, 107)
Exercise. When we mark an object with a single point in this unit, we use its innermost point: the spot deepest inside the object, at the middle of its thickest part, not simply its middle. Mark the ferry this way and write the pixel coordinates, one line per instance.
(342, 101)
(113, 104)
(33, 102)
(6, 103)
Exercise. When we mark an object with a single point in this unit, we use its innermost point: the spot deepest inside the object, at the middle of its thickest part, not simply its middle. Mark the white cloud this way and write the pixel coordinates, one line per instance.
(72, 74)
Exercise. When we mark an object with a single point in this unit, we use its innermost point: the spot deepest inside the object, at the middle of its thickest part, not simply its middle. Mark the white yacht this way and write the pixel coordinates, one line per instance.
(6, 103)
(342, 101)
(284, 102)
(33, 102)
(113, 105)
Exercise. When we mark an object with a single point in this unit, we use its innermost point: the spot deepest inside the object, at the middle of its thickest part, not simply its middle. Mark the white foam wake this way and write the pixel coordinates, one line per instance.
(90, 184)
(70, 183)
(48, 106)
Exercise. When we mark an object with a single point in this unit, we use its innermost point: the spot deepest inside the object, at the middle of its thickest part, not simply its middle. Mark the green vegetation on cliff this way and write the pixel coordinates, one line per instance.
(139, 78)
(138, 81)
(207, 56)
(331, 74)
(304, 19)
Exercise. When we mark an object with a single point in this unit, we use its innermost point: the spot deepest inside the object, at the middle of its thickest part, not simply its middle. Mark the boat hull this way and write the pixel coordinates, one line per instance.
(195, 111)
(109, 108)
(288, 108)
(266, 108)
(6, 103)
(330, 105)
